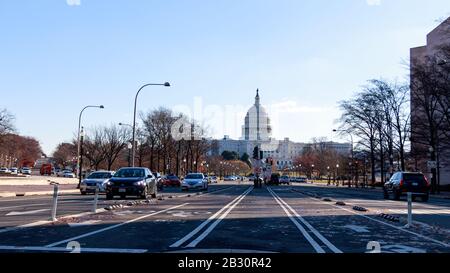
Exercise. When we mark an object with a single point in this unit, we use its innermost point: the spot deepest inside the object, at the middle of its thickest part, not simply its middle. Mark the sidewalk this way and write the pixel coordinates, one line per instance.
(27, 190)
(37, 185)
(442, 195)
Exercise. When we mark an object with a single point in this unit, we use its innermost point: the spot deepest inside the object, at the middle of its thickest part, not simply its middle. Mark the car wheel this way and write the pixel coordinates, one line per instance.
(425, 198)
(109, 197)
(123, 196)
(83, 193)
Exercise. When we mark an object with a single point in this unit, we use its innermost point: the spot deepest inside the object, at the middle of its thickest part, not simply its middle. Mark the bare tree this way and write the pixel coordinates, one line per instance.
(115, 141)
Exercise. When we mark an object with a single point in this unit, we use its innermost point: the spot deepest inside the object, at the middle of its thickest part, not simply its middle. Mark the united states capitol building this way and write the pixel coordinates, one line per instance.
(257, 131)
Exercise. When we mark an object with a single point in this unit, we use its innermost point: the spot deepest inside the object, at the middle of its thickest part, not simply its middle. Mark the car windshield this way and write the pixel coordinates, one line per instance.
(99, 175)
(127, 173)
(172, 177)
(194, 176)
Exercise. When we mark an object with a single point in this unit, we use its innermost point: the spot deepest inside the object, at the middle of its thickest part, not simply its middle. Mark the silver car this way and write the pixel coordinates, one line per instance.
(194, 181)
(26, 170)
(94, 180)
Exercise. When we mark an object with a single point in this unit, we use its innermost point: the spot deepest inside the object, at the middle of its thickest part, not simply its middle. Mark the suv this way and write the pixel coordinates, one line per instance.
(403, 182)
(132, 181)
(285, 180)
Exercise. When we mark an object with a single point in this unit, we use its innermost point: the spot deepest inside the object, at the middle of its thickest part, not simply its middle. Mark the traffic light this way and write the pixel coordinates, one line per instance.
(256, 153)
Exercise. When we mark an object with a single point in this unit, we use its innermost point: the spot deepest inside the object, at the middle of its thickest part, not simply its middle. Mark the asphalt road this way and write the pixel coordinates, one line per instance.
(229, 218)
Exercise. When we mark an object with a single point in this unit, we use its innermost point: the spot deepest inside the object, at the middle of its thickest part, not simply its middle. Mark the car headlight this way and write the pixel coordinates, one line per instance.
(140, 183)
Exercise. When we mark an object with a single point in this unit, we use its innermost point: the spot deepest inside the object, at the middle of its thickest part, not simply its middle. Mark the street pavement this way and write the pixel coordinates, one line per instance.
(230, 217)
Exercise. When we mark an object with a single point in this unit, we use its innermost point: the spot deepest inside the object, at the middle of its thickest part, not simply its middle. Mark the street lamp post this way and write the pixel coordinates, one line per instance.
(130, 145)
(134, 115)
(80, 174)
(79, 128)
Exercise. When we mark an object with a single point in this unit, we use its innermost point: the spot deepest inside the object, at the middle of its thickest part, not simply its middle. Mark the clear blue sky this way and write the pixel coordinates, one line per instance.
(304, 55)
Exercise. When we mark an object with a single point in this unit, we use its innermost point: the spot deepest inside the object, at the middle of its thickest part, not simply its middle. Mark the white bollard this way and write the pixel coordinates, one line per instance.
(409, 210)
(55, 201)
(94, 209)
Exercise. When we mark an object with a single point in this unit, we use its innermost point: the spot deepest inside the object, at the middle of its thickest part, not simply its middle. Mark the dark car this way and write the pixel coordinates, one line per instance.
(403, 182)
(274, 180)
(138, 182)
(172, 181)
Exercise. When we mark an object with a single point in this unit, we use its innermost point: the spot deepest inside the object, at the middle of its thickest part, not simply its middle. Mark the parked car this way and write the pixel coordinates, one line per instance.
(14, 170)
(94, 180)
(26, 171)
(68, 174)
(403, 182)
(194, 181)
(138, 182)
(285, 180)
(4, 170)
(302, 180)
(213, 180)
(172, 181)
(230, 178)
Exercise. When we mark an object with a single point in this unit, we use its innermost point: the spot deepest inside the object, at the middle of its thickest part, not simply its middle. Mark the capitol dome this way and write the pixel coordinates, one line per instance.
(257, 122)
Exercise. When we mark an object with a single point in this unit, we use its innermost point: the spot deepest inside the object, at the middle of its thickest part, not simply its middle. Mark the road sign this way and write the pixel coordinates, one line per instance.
(432, 164)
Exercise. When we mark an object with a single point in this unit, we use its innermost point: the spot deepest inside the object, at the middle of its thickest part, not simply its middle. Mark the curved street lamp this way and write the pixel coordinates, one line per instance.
(166, 84)
(79, 128)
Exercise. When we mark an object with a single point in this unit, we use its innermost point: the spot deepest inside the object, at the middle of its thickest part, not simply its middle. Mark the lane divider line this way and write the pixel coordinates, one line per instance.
(205, 223)
(305, 234)
(113, 226)
(310, 227)
(202, 236)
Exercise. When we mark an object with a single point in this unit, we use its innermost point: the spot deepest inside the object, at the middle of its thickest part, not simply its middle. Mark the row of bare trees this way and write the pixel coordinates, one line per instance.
(166, 142)
(430, 85)
(379, 117)
(16, 150)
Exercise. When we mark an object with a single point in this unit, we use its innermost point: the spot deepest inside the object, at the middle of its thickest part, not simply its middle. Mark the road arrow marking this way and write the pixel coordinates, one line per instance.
(359, 229)
(15, 213)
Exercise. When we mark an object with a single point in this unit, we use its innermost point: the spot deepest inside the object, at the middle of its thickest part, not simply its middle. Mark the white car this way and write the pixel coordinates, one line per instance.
(99, 178)
(4, 170)
(26, 170)
(14, 170)
(194, 181)
(67, 174)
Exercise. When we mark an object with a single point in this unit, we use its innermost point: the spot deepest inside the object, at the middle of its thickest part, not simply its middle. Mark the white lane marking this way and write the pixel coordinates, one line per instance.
(308, 225)
(16, 213)
(202, 225)
(85, 223)
(202, 236)
(359, 229)
(381, 222)
(308, 237)
(63, 249)
(113, 227)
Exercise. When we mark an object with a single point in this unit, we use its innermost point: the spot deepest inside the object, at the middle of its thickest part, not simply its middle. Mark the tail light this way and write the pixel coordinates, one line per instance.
(426, 180)
(401, 183)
